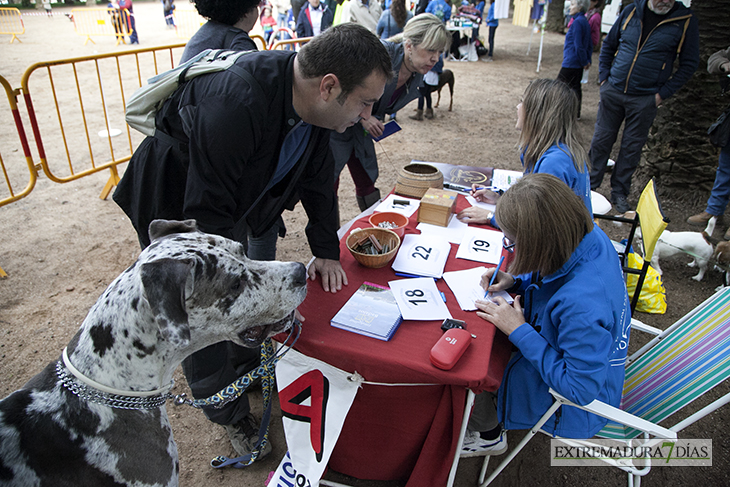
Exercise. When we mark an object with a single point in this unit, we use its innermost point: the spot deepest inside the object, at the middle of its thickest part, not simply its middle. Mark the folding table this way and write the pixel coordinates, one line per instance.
(396, 431)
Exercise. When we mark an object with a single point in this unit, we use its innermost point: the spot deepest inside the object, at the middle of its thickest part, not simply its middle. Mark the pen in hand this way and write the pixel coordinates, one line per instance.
(494, 276)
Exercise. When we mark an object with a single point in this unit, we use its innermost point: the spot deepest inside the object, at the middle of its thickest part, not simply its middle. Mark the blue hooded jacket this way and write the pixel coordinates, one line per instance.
(578, 45)
(647, 69)
(575, 342)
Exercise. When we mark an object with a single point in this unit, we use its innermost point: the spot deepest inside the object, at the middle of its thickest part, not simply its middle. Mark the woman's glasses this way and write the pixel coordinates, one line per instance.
(508, 245)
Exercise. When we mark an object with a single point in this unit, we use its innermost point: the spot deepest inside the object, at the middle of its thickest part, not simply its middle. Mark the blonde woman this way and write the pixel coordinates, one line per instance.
(413, 53)
(546, 119)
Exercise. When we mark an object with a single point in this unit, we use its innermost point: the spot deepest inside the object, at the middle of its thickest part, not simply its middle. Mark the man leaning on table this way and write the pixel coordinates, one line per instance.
(227, 144)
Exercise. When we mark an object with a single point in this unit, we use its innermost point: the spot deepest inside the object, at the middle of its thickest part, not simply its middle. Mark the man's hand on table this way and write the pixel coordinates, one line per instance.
(331, 272)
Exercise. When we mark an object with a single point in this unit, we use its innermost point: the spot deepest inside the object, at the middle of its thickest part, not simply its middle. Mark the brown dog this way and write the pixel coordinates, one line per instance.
(720, 257)
(446, 78)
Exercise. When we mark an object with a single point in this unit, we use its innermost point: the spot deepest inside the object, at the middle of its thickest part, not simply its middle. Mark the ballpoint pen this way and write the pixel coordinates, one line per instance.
(494, 276)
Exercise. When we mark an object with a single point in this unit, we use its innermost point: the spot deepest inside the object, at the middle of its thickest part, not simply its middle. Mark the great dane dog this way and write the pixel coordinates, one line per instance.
(96, 417)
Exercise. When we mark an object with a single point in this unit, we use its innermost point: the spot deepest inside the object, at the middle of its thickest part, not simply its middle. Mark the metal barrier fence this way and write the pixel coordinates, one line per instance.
(11, 23)
(297, 43)
(187, 22)
(13, 175)
(101, 22)
(84, 126)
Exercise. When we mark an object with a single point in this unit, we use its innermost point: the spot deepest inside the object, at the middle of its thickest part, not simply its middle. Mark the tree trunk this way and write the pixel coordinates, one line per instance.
(678, 152)
(555, 21)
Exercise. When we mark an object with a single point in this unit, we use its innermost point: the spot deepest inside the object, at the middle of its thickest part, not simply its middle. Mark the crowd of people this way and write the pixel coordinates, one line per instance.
(322, 105)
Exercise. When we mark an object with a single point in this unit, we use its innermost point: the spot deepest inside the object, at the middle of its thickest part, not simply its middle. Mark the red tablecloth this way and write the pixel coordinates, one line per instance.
(404, 431)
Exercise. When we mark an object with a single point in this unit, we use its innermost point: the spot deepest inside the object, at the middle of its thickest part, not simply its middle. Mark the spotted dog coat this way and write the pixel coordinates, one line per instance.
(186, 291)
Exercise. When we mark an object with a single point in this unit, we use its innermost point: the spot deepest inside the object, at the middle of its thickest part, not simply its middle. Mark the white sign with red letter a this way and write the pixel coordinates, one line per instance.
(315, 399)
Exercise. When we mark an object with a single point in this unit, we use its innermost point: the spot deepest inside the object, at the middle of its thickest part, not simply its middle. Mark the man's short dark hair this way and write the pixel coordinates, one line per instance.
(349, 51)
(225, 11)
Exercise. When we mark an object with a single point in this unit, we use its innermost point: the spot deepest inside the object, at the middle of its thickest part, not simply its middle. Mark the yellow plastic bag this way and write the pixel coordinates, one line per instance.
(653, 297)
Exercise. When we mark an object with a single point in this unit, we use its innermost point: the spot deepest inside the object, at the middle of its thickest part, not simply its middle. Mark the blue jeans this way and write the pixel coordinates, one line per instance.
(637, 112)
(492, 30)
(720, 195)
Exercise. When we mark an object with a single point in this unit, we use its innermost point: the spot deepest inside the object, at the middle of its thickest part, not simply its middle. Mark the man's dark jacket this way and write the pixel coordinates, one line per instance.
(230, 136)
(647, 69)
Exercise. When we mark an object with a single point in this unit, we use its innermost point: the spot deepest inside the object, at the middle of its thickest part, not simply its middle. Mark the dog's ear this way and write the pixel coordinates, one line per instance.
(163, 228)
(166, 282)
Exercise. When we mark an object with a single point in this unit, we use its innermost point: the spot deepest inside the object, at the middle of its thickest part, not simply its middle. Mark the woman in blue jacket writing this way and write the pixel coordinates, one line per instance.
(569, 322)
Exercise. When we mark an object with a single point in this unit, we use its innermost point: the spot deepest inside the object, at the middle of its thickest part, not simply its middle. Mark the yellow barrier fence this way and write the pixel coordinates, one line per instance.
(79, 129)
(187, 22)
(101, 22)
(14, 173)
(297, 43)
(11, 23)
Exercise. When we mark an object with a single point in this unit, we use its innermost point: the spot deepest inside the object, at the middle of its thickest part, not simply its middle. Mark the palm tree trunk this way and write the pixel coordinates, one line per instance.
(678, 152)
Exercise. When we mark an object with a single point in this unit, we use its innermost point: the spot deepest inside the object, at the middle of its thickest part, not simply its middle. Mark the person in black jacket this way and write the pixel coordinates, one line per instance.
(233, 151)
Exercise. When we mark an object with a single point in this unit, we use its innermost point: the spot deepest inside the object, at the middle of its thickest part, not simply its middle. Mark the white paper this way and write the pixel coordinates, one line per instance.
(479, 204)
(419, 299)
(503, 179)
(481, 245)
(466, 286)
(422, 255)
(453, 233)
(388, 204)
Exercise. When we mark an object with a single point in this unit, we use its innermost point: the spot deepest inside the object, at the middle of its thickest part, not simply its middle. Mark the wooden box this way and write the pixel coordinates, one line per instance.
(437, 207)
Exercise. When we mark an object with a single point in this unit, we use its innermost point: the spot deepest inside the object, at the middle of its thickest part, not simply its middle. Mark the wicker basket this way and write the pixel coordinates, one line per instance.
(414, 179)
(384, 236)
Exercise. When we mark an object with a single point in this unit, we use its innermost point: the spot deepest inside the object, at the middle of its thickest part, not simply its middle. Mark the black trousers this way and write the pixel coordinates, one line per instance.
(572, 77)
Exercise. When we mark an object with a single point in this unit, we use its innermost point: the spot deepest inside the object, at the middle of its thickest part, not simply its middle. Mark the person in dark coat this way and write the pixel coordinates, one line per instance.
(233, 151)
(314, 18)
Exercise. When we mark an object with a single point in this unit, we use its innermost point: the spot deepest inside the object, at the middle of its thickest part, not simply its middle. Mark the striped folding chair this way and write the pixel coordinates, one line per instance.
(679, 365)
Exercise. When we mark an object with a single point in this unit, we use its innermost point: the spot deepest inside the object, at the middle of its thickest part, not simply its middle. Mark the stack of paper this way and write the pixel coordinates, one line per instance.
(399, 204)
(481, 245)
(419, 299)
(422, 255)
(466, 286)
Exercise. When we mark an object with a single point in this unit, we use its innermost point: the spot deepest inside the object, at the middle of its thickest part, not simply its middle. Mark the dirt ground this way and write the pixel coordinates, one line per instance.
(62, 245)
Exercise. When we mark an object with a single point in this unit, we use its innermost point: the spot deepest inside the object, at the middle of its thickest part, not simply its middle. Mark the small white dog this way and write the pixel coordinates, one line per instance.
(692, 243)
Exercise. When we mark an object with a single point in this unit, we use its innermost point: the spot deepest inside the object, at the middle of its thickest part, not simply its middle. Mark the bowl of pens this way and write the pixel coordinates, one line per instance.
(373, 247)
(390, 220)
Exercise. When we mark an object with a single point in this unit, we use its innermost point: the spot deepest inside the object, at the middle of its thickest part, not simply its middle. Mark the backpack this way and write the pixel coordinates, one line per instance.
(143, 105)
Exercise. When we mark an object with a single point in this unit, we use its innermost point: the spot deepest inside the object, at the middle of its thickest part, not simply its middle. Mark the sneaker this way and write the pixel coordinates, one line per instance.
(700, 219)
(487, 59)
(244, 435)
(620, 204)
(476, 446)
(727, 234)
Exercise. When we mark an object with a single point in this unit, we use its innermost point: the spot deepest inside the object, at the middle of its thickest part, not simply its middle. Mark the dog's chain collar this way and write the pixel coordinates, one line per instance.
(269, 357)
(116, 401)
